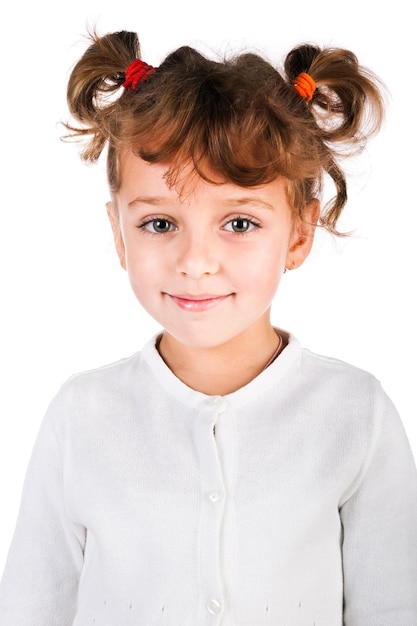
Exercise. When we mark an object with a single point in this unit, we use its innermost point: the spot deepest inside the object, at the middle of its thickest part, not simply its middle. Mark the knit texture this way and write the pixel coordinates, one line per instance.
(301, 509)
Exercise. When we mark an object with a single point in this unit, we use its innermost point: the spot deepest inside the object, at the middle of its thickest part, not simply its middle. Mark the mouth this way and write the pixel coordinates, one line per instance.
(197, 303)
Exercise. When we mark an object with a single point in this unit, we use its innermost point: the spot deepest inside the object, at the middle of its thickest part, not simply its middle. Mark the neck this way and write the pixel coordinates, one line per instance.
(222, 369)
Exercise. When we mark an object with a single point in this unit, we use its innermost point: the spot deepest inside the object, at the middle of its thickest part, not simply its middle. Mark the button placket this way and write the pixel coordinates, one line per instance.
(220, 405)
(214, 494)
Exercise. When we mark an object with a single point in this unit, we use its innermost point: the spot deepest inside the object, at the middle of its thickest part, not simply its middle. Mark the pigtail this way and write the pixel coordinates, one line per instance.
(348, 104)
(96, 77)
(347, 107)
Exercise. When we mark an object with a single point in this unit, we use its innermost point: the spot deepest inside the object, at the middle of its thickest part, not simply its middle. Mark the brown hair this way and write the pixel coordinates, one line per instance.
(239, 118)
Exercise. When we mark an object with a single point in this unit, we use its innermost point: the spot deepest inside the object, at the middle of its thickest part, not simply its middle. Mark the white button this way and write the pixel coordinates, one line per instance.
(218, 403)
(214, 607)
(216, 496)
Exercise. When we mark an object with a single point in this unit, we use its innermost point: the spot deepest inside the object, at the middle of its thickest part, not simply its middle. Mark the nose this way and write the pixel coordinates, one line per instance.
(197, 254)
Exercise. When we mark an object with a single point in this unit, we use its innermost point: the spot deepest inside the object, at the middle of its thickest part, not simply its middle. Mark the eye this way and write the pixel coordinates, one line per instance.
(158, 225)
(241, 225)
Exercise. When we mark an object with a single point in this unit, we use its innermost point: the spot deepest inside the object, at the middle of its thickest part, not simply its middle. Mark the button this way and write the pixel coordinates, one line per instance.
(216, 400)
(216, 496)
(213, 606)
(218, 403)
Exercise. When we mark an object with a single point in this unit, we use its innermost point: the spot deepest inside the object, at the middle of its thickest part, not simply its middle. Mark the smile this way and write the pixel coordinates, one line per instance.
(199, 303)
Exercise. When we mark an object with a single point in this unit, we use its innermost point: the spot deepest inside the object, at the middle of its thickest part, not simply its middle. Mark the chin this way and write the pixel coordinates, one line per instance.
(203, 339)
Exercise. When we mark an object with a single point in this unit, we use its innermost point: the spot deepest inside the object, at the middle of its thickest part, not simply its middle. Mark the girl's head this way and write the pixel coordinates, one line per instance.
(239, 120)
(215, 170)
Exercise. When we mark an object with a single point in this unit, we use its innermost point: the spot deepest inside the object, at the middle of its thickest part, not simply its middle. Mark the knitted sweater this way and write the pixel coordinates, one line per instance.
(290, 502)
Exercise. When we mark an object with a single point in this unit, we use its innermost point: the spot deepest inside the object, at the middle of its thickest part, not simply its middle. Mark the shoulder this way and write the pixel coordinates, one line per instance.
(344, 390)
(102, 382)
(335, 385)
(337, 372)
(303, 363)
(102, 391)
(110, 374)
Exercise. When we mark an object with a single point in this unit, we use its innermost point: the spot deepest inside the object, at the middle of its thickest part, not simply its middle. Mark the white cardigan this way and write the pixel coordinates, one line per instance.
(300, 510)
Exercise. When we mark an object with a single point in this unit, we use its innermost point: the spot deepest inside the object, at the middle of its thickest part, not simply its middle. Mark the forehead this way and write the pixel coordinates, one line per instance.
(174, 174)
(150, 183)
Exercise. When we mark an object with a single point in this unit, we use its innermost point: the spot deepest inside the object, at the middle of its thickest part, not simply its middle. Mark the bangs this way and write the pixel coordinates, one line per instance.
(223, 123)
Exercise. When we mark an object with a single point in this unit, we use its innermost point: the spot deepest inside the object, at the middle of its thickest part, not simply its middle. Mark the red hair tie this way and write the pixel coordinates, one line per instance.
(137, 71)
(305, 86)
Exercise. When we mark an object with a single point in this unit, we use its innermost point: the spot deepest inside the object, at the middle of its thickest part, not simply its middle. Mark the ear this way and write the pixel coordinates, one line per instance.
(302, 235)
(117, 233)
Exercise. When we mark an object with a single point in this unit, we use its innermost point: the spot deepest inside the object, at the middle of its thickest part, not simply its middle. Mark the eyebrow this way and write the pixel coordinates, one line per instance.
(232, 202)
(249, 200)
(153, 200)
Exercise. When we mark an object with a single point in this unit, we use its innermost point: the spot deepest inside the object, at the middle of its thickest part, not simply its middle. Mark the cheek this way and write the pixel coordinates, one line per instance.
(268, 280)
(263, 265)
(142, 267)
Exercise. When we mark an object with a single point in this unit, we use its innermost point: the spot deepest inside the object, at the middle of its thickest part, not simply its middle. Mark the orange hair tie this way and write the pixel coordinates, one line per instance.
(305, 86)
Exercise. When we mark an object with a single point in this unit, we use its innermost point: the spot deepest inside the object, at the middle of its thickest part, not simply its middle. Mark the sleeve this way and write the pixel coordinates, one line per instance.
(40, 580)
(379, 522)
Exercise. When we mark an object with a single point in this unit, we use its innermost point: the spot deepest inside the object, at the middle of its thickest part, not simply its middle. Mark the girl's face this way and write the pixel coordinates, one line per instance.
(206, 262)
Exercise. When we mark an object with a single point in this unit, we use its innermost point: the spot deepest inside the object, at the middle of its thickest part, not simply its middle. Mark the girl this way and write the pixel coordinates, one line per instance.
(224, 474)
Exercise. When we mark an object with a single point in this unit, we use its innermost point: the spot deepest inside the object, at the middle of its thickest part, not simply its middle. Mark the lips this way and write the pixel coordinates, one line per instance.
(197, 303)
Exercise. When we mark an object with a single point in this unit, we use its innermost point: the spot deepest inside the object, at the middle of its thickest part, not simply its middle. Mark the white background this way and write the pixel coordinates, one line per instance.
(66, 305)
